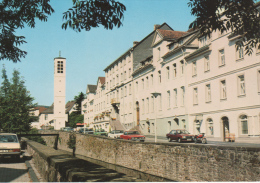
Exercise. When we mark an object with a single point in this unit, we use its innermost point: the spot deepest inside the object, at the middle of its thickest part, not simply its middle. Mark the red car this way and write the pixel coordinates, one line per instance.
(132, 135)
(180, 136)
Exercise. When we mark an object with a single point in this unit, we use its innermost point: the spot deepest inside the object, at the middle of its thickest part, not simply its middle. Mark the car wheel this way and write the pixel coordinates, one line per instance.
(169, 139)
(179, 140)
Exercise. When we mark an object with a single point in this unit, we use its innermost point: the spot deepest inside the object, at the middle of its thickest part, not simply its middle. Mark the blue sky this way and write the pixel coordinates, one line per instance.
(88, 53)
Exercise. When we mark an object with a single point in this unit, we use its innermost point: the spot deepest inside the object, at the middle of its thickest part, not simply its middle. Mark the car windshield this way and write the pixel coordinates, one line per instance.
(119, 131)
(182, 132)
(133, 133)
(8, 138)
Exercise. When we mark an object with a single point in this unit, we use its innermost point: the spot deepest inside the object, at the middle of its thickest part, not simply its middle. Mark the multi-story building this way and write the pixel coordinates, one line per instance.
(182, 80)
(223, 87)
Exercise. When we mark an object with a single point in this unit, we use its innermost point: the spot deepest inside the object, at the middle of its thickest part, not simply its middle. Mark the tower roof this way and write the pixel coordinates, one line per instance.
(59, 58)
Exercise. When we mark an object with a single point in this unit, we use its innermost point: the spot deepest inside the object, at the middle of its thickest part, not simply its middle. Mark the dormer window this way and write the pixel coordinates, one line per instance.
(181, 42)
(203, 41)
(60, 67)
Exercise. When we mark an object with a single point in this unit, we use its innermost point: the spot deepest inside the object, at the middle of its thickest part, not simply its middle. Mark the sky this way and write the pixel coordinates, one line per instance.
(88, 53)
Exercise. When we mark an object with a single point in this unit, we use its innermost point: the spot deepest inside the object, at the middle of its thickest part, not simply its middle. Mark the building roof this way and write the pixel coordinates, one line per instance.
(69, 106)
(102, 80)
(41, 108)
(91, 88)
(48, 110)
(170, 34)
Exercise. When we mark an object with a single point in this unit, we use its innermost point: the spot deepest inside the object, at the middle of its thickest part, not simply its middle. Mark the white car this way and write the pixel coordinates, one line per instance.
(10, 145)
(115, 134)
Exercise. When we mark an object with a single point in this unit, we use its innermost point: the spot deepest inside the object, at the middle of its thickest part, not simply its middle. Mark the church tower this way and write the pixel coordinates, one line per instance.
(59, 92)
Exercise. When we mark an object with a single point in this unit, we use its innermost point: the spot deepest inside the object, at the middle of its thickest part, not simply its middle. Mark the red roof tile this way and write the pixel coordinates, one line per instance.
(169, 34)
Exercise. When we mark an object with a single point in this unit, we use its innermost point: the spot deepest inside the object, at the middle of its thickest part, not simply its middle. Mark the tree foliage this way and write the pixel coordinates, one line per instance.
(78, 100)
(75, 118)
(16, 14)
(239, 16)
(92, 13)
(15, 104)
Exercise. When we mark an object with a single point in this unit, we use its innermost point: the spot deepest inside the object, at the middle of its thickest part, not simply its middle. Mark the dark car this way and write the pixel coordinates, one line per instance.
(86, 130)
(133, 135)
(180, 136)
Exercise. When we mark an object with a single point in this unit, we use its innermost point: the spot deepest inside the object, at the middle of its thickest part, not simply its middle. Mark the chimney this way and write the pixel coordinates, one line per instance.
(156, 26)
(135, 43)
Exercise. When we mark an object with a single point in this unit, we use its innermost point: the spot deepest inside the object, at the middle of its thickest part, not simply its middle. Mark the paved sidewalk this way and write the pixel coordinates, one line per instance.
(11, 171)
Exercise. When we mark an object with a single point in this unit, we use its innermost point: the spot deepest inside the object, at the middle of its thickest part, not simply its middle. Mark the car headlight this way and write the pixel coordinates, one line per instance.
(184, 137)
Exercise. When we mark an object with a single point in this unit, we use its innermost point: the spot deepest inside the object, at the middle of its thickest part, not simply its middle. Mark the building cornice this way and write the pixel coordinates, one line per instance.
(227, 110)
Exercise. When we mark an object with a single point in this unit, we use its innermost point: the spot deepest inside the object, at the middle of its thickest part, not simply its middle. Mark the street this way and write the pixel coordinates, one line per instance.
(12, 170)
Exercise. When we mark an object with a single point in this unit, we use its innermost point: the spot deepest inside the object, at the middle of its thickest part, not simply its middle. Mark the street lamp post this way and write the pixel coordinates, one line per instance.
(155, 94)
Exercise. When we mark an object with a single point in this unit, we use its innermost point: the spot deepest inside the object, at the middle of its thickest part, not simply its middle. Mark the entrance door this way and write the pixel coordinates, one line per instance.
(225, 124)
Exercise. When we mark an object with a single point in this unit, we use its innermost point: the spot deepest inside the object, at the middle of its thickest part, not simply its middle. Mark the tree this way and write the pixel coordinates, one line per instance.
(15, 104)
(85, 14)
(75, 118)
(78, 100)
(239, 16)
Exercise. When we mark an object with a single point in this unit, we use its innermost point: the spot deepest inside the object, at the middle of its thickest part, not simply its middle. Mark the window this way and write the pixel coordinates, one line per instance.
(130, 89)
(195, 96)
(174, 71)
(130, 72)
(160, 102)
(143, 106)
(210, 129)
(46, 117)
(147, 82)
(60, 67)
(152, 79)
(244, 124)
(182, 95)
(159, 53)
(258, 80)
(221, 57)
(136, 84)
(206, 64)
(203, 41)
(241, 85)
(169, 99)
(223, 90)
(125, 75)
(168, 72)
(175, 97)
(208, 93)
(240, 53)
(147, 105)
(143, 83)
(159, 77)
(152, 104)
(194, 68)
(122, 93)
(182, 67)
(125, 90)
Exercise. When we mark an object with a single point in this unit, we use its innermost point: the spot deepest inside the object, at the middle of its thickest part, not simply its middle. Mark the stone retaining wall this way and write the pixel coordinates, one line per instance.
(181, 162)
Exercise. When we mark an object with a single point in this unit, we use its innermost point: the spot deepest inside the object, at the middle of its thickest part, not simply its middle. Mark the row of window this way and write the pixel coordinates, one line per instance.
(115, 81)
(223, 90)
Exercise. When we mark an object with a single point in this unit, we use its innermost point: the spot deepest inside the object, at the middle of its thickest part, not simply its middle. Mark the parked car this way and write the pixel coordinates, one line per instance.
(68, 129)
(100, 132)
(180, 136)
(10, 145)
(87, 131)
(133, 135)
(115, 134)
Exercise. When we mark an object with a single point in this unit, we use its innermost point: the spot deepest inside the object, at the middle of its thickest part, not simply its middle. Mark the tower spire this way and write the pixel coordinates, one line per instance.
(59, 53)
